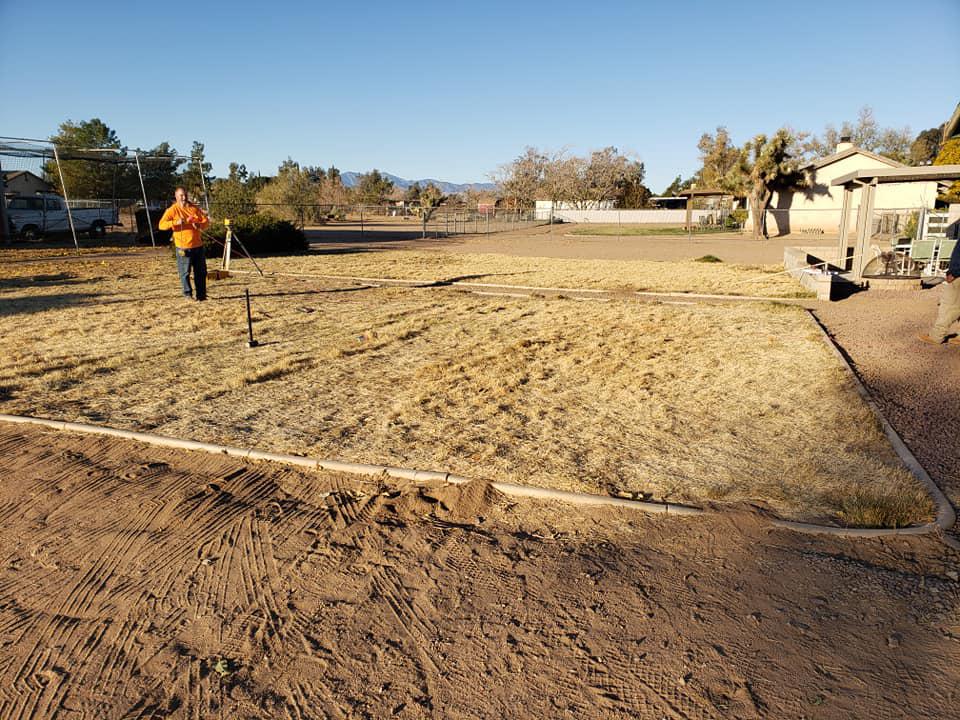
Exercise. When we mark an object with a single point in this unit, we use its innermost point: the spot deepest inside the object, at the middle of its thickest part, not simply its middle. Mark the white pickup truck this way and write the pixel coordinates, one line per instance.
(33, 216)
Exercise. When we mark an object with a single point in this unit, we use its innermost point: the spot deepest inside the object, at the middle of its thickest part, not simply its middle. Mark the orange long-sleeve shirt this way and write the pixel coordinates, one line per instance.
(187, 234)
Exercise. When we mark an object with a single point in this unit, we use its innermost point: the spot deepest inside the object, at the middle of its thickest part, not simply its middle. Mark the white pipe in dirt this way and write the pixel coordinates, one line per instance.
(417, 476)
(525, 288)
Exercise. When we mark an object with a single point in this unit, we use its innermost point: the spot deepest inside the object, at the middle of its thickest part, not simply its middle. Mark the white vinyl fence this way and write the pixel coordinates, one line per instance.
(635, 217)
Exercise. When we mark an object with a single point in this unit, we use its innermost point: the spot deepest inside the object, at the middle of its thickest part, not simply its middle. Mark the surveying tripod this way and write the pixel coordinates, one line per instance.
(227, 247)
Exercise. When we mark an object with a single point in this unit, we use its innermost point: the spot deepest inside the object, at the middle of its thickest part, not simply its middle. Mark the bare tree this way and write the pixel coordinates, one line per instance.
(583, 182)
(429, 198)
(865, 133)
(520, 180)
(332, 191)
(604, 176)
(559, 179)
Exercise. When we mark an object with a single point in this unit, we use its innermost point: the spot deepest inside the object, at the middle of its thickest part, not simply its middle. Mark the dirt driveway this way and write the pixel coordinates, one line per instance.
(555, 242)
(140, 582)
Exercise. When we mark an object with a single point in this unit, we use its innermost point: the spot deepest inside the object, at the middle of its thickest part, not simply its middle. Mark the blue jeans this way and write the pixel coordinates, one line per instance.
(194, 258)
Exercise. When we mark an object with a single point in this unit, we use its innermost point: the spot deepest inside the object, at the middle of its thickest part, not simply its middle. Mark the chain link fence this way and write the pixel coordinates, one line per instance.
(442, 221)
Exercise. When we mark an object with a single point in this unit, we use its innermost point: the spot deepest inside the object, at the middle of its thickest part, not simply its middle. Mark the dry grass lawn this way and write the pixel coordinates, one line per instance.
(680, 403)
(643, 275)
(60, 247)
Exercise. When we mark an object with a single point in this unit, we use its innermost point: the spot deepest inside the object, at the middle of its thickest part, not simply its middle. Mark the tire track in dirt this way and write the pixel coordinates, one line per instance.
(85, 599)
(133, 585)
(414, 622)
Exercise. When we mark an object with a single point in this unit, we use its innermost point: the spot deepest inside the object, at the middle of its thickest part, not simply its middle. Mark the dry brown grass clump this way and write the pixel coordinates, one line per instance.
(680, 403)
(686, 276)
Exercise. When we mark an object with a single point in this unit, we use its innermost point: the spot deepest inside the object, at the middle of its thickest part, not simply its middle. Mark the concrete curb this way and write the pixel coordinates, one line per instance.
(530, 289)
(417, 476)
(946, 517)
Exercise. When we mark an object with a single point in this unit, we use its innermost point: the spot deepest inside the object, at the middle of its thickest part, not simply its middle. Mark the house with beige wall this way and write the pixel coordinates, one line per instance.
(816, 209)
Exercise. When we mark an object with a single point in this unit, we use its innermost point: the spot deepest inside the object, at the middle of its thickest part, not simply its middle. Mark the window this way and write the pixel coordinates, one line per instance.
(52, 204)
(22, 203)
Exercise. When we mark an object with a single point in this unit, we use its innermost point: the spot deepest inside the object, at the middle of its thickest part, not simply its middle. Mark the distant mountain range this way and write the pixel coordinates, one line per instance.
(448, 188)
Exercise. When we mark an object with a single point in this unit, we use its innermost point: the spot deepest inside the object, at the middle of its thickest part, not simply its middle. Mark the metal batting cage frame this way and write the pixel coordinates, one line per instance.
(47, 150)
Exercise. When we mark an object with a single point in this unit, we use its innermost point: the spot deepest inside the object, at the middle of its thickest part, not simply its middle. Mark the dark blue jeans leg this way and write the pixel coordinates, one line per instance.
(183, 268)
(199, 262)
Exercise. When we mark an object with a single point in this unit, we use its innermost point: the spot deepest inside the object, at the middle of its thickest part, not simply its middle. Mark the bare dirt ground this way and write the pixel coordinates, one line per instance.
(117, 241)
(137, 582)
(557, 242)
(143, 583)
(539, 242)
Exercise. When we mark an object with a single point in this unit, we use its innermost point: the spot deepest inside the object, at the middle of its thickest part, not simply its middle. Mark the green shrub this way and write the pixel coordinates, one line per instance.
(260, 235)
(950, 155)
(736, 219)
(911, 226)
(708, 259)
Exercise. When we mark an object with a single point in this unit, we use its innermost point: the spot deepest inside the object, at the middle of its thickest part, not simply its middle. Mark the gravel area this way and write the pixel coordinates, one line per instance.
(915, 384)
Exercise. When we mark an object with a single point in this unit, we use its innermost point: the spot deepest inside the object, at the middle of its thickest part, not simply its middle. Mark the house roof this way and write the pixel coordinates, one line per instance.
(853, 150)
(703, 192)
(925, 173)
(953, 125)
(11, 174)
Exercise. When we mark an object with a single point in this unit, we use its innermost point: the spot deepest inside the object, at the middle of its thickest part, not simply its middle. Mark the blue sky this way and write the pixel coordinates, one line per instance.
(452, 90)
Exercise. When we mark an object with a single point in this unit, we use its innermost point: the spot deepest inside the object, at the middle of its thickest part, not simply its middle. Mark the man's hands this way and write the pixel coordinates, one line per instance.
(188, 222)
(950, 278)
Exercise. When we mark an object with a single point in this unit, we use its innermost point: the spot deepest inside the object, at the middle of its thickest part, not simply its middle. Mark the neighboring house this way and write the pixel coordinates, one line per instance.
(24, 182)
(817, 207)
(952, 127)
(488, 202)
(669, 202)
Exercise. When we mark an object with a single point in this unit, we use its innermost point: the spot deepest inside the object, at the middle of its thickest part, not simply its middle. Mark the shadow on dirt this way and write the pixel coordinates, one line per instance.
(46, 280)
(328, 291)
(42, 303)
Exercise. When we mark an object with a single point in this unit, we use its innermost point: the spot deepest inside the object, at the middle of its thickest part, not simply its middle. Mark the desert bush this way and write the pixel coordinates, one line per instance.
(260, 235)
(736, 219)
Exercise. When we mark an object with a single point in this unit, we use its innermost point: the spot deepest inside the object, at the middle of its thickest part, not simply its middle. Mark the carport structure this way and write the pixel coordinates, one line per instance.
(700, 193)
(869, 180)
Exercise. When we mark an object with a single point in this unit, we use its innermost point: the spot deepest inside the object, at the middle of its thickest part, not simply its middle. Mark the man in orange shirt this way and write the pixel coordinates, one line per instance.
(187, 221)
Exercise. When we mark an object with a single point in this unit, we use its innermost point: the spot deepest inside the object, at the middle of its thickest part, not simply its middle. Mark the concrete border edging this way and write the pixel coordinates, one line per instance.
(422, 476)
(416, 476)
(529, 289)
(946, 517)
